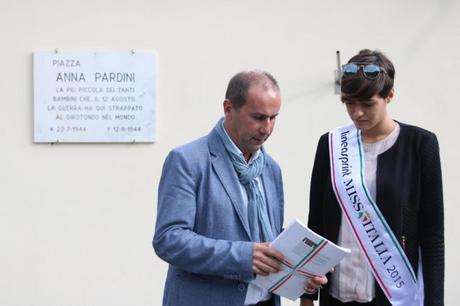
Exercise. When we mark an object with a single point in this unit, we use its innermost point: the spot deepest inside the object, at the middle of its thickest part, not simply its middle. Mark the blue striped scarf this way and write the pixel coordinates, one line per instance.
(259, 223)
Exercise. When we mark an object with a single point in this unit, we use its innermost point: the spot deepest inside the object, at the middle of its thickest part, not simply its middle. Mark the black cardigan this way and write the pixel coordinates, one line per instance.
(409, 195)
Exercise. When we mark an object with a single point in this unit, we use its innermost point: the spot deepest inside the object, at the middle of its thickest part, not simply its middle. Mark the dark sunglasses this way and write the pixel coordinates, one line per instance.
(370, 71)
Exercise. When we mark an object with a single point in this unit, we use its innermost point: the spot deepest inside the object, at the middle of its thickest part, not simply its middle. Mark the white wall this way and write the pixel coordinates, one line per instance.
(76, 220)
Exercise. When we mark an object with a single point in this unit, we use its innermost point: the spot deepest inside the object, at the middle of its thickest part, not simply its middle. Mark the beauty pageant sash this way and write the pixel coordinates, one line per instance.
(387, 261)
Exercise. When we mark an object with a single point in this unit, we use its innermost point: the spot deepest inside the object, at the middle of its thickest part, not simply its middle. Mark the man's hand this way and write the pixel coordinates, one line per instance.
(263, 262)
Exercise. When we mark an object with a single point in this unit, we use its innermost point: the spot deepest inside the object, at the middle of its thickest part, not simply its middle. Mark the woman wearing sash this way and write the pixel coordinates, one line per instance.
(376, 189)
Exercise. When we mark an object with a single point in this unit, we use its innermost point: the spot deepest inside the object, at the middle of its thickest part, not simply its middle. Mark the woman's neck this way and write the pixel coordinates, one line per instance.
(379, 132)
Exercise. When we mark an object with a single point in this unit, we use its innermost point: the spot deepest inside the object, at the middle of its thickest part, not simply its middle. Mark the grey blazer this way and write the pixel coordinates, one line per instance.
(202, 227)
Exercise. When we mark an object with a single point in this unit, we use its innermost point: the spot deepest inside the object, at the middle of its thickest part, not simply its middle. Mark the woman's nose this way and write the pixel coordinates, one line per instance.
(358, 111)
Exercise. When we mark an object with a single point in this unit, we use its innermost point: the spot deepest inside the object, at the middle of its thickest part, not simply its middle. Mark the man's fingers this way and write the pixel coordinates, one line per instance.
(267, 264)
(270, 261)
(268, 250)
(264, 259)
(277, 254)
(263, 269)
(258, 271)
(272, 252)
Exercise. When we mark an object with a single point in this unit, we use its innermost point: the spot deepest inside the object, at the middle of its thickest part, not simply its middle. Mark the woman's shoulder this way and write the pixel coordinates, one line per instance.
(417, 136)
(323, 141)
(414, 129)
(409, 130)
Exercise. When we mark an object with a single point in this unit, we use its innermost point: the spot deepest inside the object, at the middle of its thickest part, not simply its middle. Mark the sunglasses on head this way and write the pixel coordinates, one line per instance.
(370, 71)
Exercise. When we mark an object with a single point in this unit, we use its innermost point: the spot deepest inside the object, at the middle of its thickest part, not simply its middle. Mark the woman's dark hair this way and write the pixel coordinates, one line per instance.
(356, 87)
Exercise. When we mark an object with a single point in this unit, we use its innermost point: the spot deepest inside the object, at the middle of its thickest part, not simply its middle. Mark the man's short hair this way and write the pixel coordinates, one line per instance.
(240, 83)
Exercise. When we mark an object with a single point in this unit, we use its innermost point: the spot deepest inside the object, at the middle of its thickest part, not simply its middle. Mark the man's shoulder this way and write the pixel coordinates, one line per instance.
(272, 163)
(270, 159)
(191, 156)
(197, 146)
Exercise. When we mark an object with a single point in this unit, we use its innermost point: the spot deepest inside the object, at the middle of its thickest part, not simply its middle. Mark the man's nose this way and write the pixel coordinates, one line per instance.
(266, 126)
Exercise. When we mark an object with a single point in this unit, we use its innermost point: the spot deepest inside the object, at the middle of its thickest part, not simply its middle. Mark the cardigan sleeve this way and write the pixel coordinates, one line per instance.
(320, 167)
(315, 214)
(431, 225)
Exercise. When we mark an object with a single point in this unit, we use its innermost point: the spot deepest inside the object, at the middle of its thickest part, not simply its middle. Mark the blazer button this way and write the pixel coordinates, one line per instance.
(241, 287)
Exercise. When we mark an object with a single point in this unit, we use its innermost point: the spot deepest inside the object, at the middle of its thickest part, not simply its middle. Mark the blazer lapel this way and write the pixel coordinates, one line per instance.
(224, 170)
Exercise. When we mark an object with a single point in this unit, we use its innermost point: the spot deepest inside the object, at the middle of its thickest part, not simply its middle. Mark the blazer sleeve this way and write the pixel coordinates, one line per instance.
(174, 239)
(431, 225)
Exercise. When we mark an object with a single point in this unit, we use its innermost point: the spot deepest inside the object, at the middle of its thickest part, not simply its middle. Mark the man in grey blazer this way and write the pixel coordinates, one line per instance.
(220, 201)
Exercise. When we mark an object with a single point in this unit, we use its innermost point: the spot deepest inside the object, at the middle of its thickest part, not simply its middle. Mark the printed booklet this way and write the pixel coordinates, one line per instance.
(306, 254)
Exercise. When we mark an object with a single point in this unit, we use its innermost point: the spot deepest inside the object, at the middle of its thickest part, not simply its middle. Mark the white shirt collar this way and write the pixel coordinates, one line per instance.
(253, 155)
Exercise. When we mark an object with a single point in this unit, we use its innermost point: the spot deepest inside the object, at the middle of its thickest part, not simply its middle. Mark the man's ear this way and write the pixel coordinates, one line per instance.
(228, 107)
